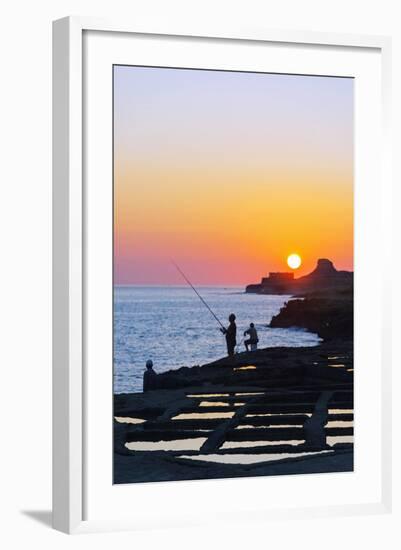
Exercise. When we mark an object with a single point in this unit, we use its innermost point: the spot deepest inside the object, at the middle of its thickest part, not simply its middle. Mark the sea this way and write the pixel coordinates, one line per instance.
(171, 326)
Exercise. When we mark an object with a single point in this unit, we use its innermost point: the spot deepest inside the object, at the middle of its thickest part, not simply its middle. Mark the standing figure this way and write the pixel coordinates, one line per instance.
(231, 335)
(253, 338)
(149, 376)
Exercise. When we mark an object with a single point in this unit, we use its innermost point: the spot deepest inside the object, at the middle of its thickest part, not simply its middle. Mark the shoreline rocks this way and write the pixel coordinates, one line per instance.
(225, 405)
(330, 314)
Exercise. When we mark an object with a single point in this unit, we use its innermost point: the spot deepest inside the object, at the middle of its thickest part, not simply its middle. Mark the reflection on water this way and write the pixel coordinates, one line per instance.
(129, 420)
(332, 440)
(256, 428)
(214, 404)
(235, 444)
(202, 416)
(251, 459)
(247, 367)
(341, 365)
(243, 394)
(219, 404)
(236, 394)
(208, 395)
(340, 424)
(279, 414)
(193, 444)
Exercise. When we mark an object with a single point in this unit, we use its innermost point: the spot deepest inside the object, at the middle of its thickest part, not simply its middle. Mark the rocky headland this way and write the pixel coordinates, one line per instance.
(330, 314)
(323, 302)
(324, 277)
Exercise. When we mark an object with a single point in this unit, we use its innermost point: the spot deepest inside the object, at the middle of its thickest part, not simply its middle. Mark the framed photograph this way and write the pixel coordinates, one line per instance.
(220, 209)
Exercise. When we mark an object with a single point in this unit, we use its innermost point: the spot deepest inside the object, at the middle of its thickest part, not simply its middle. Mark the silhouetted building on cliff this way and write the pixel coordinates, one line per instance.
(278, 283)
(324, 276)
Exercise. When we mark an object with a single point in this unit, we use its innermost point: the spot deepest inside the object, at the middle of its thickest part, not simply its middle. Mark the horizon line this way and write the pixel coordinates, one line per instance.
(181, 285)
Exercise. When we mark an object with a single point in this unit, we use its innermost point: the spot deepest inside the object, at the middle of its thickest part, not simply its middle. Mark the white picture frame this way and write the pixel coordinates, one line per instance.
(70, 250)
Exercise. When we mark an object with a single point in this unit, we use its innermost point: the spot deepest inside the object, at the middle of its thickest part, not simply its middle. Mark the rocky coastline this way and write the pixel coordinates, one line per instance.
(330, 314)
(268, 412)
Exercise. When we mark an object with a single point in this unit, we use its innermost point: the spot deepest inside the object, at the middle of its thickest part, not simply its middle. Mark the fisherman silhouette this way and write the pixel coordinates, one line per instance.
(231, 335)
(253, 338)
(149, 376)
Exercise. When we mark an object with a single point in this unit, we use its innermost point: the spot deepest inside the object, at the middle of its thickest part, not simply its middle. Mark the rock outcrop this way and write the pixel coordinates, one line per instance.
(329, 313)
(324, 277)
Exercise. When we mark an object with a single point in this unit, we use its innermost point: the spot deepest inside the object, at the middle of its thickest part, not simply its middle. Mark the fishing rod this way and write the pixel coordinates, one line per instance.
(239, 345)
(199, 296)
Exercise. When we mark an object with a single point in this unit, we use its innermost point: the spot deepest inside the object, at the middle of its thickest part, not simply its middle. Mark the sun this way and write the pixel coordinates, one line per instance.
(294, 261)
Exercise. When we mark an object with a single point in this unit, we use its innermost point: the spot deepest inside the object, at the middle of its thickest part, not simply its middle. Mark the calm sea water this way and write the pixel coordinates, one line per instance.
(171, 326)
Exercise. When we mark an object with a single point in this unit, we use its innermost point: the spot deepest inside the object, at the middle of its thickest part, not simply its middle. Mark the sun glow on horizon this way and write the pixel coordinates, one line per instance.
(230, 173)
(294, 261)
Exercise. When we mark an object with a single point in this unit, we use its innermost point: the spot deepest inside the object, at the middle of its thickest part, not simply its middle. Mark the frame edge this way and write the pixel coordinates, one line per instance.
(67, 430)
(67, 276)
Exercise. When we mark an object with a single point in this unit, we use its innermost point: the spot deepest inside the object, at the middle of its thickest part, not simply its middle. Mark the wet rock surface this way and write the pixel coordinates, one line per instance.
(269, 412)
(330, 314)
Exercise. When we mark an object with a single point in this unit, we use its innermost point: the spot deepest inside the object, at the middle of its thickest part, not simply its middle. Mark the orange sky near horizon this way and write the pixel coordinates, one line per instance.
(232, 216)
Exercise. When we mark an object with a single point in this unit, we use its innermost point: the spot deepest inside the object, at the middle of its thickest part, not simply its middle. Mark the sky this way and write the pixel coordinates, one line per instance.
(228, 173)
